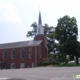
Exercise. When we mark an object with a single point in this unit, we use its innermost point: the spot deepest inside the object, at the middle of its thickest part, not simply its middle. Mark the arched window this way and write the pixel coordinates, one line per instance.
(22, 54)
(13, 54)
(4, 55)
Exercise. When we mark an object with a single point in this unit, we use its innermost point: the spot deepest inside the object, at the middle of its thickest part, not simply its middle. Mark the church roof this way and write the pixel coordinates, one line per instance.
(20, 44)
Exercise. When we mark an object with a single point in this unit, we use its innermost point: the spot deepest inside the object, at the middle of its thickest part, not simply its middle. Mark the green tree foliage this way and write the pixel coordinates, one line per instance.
(66, 34)
(66, 28)
(49, 32)
(33, 31)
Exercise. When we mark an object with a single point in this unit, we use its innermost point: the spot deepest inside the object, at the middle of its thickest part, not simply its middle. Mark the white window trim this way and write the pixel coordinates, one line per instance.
(3, 66)
(21, 54)
(21, 65)
(12, 64)
(33, 64)
(3, 55)
(12, 55)
(30, 56)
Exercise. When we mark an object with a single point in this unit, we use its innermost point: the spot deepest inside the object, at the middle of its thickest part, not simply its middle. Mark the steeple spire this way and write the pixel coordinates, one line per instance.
(40, 29)
(39, 20)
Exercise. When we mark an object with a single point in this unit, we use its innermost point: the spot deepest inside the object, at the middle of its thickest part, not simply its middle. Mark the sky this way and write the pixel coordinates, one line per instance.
(16, 16)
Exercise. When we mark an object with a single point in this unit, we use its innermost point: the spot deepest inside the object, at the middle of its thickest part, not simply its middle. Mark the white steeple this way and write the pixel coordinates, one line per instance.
(40, 29)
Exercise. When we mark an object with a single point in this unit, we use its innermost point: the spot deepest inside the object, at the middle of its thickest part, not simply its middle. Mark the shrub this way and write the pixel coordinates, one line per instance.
(57, 63)
(45, 63)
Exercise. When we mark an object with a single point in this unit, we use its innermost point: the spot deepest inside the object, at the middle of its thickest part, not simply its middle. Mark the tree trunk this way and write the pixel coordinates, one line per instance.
(77, 62)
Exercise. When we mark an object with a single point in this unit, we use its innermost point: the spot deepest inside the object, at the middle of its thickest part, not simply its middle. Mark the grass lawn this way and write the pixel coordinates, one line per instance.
(66, 65)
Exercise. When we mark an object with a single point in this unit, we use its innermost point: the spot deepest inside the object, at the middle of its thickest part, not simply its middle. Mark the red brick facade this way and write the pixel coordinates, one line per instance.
(43, 45)
(38, 53)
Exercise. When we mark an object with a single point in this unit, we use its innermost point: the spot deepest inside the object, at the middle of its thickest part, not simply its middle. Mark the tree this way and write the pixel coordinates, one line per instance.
(33, 31)
(66, 34)
(49, 32)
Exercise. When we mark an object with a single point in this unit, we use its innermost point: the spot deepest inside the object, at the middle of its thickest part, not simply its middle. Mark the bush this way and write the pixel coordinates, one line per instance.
(45, 63)
(57, 63)
(53, 63)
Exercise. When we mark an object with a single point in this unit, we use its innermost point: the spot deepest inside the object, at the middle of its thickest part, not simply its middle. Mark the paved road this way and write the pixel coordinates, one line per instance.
(40, 73)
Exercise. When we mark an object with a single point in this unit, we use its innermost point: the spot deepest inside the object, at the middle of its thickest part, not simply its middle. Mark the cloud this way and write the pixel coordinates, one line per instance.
(8, 13)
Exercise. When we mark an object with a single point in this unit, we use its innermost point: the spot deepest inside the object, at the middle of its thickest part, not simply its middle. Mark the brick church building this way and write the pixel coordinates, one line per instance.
(25, 54)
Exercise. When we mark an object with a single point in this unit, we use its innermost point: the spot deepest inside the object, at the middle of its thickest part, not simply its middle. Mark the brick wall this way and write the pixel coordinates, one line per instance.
(18, 60)
(43, 45)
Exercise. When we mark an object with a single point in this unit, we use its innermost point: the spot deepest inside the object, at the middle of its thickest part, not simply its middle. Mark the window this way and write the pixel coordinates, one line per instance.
(22, 54)
(22, 65)
(30, 56)
(30, 49)
(13, 54)
(4, 55)
(3, 66)
(32, 64)
(13, 66)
